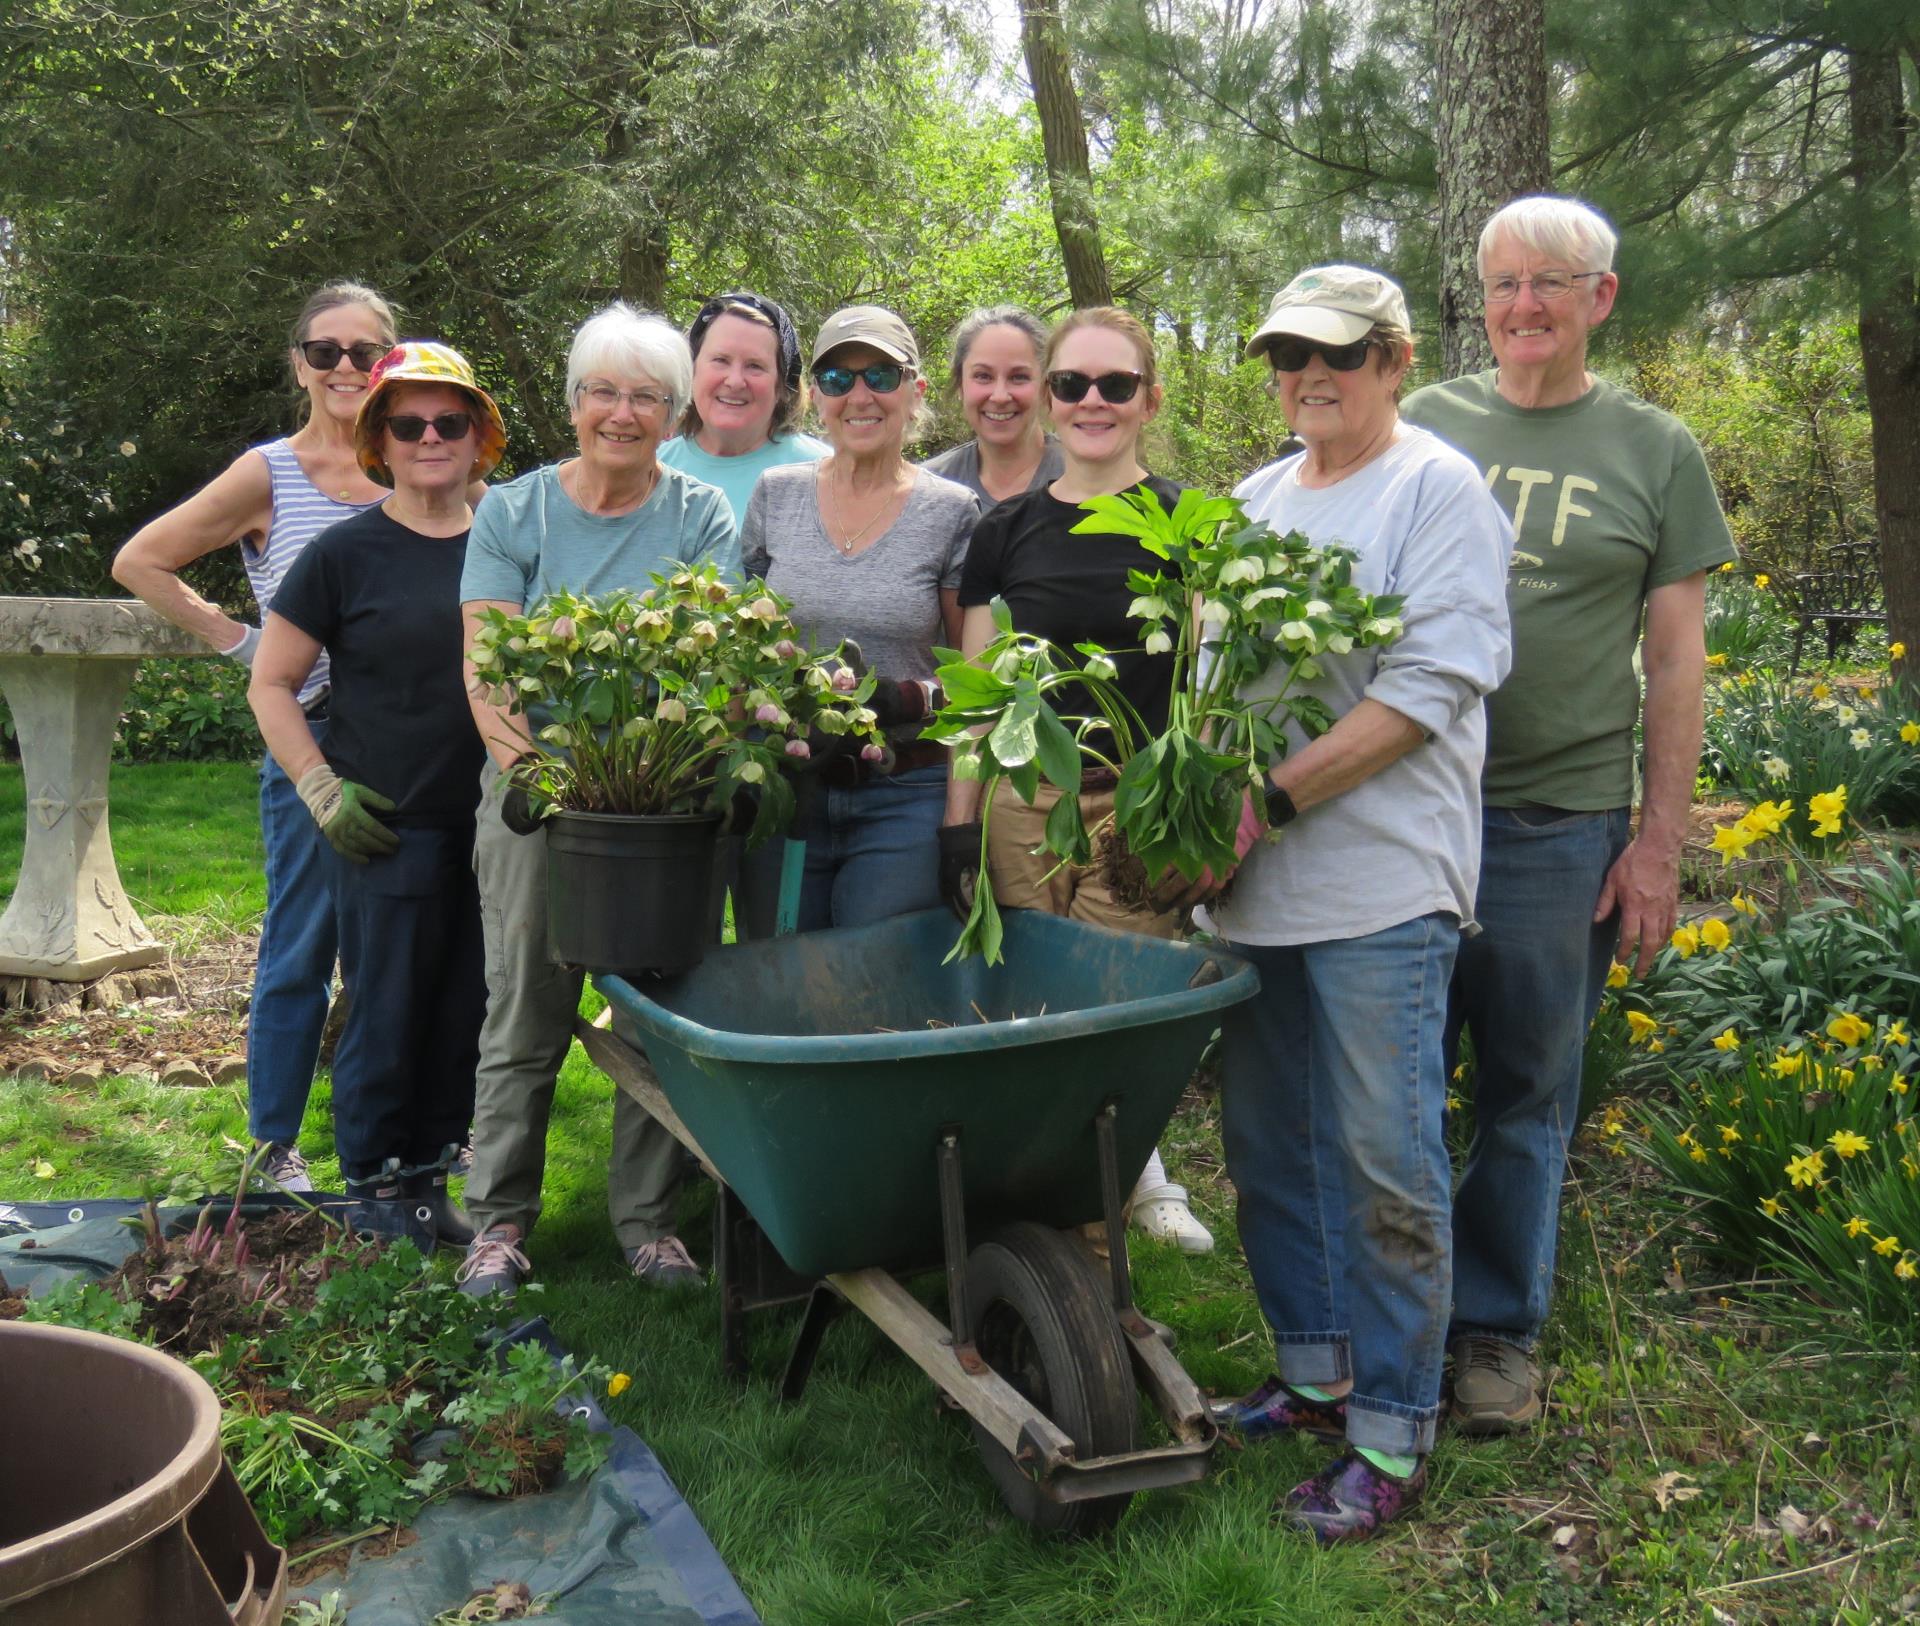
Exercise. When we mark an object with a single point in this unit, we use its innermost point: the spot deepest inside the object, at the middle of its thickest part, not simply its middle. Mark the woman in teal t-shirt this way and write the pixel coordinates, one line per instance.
(747, 398)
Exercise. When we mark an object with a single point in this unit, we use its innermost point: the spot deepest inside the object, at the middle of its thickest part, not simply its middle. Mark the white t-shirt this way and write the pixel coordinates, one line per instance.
(1405, 842)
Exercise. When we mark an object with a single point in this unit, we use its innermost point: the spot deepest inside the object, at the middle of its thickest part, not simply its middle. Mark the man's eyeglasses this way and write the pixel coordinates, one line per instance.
(1116, 389)
(606, 397)
(883, 378)
(448, 425)
(324, 354)
(1546, 285)
(1291, 355)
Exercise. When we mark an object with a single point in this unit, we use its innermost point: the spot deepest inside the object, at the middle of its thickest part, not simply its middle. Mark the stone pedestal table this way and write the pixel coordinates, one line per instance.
(66, 665)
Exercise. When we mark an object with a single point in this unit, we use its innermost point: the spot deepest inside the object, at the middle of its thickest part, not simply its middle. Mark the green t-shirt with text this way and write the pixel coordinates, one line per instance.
(1610, 498)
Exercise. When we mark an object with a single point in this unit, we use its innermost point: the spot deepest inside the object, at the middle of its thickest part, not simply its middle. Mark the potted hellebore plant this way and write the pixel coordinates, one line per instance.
(650, 711)
(1234, 603)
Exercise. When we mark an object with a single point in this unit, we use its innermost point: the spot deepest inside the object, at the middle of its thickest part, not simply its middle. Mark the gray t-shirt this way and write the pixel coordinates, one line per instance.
(1406, 841)
(962, 465)
(886, 597)
(530, 538)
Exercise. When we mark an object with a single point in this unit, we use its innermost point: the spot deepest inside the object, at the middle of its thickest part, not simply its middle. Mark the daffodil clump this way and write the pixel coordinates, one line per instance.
(671, 699)
(1235, 603)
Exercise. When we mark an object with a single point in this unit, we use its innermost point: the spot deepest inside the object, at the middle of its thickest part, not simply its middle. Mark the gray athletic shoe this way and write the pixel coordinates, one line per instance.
(284, 1166)
(494, 1263)
(1496, 1385)
(665, 1263)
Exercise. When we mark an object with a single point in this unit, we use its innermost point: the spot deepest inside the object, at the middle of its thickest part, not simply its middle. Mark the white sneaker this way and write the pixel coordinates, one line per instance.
(1162, 1211)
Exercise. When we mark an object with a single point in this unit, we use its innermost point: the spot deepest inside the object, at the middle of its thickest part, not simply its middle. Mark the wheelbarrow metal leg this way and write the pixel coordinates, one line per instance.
(953, 1230)
(727, 1270)
(1110, 1201)
(824, 1305)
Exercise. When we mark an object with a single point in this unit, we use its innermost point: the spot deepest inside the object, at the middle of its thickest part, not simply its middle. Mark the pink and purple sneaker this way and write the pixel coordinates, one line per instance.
(1350, 1500)
(1277, 1408)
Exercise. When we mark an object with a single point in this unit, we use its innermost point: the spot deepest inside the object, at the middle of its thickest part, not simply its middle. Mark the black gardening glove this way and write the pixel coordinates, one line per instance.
(959, 866)
(516, 806)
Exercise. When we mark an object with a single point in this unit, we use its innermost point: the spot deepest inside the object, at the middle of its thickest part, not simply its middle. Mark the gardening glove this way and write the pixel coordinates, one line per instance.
(895, 701)
(1174, 891)
(344, 811)
(244, 651)
(516, 806)
(959, 866)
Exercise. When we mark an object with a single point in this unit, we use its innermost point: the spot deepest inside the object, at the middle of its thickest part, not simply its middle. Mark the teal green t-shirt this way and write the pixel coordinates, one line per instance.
(1609, 498)
(736, 476)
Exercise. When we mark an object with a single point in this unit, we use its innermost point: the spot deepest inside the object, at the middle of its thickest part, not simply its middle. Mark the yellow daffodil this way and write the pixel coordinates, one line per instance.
(1741, 904)
(1896, 651)
(1641, 1026)
(1697, 1153)
(1772, 1207)
(1887, 1245)
(1849, 1029)
(1820, 691)
(1728, 1134)
(1731, 841)
(618, 1385)
(1716, 660)
(1788, 1062)
(1616, 975)
(1656, 1046)
(1454, 1103)
(1728, 1040)
(1806, 1169)
(1826, 810)
(1762, 579)
(1906, 1270)
(1724, 569)
(1910, 732)
(1857, 1226)
(1898, 1084)
(1714, 934)
(1685, 941)
(1769, 818)
(1897, 1032)
(1847, 1144)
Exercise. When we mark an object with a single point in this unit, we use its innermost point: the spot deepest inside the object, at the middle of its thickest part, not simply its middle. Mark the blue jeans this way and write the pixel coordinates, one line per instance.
(295, 965)
(1334, 1092)
(1525, 990)
(872, 853)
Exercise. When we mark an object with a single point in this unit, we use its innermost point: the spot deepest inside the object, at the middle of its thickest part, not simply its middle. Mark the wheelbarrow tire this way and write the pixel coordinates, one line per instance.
(1042, 1319)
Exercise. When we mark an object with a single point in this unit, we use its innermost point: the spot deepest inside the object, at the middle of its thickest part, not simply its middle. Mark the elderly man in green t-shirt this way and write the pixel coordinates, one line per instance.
(1615, 522)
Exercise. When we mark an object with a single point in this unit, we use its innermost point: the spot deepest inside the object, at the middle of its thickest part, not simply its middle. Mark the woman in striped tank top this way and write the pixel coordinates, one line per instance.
(273, 500)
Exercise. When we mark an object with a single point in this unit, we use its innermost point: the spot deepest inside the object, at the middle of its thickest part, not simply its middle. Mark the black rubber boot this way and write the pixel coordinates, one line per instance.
(424, 1186)
(384, 1187)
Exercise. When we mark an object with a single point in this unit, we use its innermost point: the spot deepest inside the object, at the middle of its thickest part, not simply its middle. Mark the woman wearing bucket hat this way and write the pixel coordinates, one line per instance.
(996, 372)
(393, 791)
(274, 499)
(1334, 1083)
(747, 400)
(868, 548)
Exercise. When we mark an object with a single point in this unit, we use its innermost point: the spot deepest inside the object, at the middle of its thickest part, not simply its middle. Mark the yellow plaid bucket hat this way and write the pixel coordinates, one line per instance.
(425, 361)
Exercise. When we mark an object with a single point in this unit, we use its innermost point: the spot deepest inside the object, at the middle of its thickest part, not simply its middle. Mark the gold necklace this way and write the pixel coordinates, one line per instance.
(846, 546)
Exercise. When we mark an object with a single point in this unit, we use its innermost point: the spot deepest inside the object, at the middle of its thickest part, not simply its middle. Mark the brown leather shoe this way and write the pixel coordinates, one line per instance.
(1496, 1385)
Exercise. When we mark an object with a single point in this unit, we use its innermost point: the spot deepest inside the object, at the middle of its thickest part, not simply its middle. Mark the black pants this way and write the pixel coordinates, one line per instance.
(412, 954)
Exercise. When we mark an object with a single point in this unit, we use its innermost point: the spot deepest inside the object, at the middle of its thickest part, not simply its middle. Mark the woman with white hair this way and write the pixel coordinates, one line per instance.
(608, 517)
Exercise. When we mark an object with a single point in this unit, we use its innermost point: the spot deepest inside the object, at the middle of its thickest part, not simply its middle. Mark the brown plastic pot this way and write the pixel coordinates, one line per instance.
(116, 1505)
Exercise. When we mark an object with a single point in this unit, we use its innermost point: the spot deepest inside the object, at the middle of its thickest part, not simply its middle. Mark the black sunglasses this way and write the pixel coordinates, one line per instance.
(325, 355)
(1116, 389)
(448, 426)
(1290, 355)
(883, 378)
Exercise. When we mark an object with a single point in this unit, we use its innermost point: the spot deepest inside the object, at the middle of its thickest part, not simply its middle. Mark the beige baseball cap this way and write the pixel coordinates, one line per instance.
(869, 325)
(1336, 304)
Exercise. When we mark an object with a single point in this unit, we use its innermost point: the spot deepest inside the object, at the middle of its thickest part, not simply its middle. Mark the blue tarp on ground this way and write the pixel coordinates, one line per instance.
(622, 1547)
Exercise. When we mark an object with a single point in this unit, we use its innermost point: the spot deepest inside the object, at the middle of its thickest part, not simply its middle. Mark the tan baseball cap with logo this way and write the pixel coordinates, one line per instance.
(1334, 304)
(872, 326)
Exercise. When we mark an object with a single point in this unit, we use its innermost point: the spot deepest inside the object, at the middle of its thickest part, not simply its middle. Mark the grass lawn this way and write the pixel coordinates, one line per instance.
(1717, 1452)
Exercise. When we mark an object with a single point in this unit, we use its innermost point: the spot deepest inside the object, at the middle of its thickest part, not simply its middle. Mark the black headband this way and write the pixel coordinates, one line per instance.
(785, 333)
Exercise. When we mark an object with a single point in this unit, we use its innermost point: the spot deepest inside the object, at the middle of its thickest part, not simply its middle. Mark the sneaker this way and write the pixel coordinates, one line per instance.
(1496, 1385)
(494, 1263)
(1162, 1211)
(1277, 1408)
(665, 1263)
(284, 1166)
(1350, 1500)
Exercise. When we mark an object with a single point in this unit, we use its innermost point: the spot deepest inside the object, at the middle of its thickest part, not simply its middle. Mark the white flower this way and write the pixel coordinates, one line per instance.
(1247, 568)
(1143, 608)
(1846, 716)
(1338, 643)
(1101, 666)
(1158, 643)
(1775, 768)
(1296, 632)
(1214, 614)
(751, 773)
(557, 734)
(1382, 626)
(1859, 739)
(686, 646)
(671, 711)
(127, 448)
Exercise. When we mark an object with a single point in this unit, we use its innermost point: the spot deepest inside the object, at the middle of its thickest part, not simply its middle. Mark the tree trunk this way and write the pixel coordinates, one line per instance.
(1064, 134)
(1889, 333)
(645, 249)
(1491, 147)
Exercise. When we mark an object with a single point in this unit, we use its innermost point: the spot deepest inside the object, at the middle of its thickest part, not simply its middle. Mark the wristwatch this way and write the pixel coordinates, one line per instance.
(1280, 808)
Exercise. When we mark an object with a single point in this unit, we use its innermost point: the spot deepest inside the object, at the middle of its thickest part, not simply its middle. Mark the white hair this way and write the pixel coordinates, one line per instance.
(1563, 229)
(623, 343)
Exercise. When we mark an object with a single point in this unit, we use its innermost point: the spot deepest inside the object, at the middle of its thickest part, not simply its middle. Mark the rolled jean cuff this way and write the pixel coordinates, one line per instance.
(1314, 1357)
(1382, 1425)
(1506, 1335)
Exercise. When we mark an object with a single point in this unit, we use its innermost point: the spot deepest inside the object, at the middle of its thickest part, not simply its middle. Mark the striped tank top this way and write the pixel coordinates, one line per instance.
(301, 511)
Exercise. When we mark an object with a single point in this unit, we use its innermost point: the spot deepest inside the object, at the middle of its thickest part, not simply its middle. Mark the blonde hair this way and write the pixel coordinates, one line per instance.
(1115, 320)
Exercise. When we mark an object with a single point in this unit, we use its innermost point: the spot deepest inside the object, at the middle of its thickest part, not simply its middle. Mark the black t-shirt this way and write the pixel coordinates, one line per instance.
(1071, 590)
(384, 601)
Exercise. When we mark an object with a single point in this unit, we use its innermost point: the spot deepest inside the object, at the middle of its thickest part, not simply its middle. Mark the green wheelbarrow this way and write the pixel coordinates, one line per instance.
(867, 1109)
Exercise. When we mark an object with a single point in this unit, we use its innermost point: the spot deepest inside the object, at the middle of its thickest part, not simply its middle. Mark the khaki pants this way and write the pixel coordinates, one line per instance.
(531, 1004)
(1024, 879)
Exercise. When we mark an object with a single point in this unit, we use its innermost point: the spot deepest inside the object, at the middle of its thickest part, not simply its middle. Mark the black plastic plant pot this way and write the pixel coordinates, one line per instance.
(633, 892)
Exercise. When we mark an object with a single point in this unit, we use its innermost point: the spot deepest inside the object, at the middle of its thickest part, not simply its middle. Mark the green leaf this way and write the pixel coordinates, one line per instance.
(973, 688)
(1025, 779)
(1059, 756)
(1002, 616)
(1067, 831)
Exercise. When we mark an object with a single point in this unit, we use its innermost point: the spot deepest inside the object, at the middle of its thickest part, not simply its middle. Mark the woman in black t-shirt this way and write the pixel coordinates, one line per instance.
(1103, 389)
(394, 793)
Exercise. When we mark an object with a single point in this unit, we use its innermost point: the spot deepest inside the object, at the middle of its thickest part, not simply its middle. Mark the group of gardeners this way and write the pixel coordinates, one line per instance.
(1454, 854)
